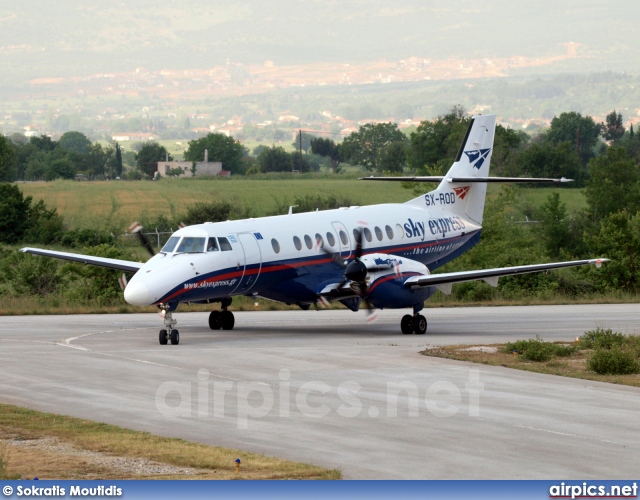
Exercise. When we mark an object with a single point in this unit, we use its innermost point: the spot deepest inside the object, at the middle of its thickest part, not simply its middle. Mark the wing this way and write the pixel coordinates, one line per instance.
(444, 281)
(528, 180)
(122, 265)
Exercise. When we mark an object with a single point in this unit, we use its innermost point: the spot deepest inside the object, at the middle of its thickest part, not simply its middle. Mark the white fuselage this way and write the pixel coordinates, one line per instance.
(280, 257)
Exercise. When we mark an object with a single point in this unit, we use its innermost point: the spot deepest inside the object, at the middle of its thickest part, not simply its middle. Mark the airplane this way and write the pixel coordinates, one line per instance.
(381, 256)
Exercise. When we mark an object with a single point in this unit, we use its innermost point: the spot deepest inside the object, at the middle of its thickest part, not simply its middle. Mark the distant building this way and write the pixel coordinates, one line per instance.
(133, 136)
(210, 168)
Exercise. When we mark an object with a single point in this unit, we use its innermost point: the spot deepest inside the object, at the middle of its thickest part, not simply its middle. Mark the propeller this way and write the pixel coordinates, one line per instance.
(136, 228)
(354, 272)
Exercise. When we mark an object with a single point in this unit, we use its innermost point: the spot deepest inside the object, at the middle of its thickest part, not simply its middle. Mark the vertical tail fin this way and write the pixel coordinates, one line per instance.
(473, 160)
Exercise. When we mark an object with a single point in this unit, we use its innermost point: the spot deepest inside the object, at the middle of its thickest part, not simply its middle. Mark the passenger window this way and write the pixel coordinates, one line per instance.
(356, 234)
(399, 231)
(170, 244)
(389, 232)
(308, 241)
(343, 237)
(275, 245)
(378, 233)
(331, 239)
(191, 245)
(225, 246)
(212, 245)
(367, 234)
(297, 243)
(319, 240)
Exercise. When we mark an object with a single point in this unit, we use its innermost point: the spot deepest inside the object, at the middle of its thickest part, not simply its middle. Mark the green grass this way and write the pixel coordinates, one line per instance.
(115, 204)
(110, 439)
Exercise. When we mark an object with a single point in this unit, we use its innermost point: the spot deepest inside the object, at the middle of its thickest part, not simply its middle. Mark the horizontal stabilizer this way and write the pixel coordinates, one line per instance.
(465, 179)
(491, 275)
(121, 265)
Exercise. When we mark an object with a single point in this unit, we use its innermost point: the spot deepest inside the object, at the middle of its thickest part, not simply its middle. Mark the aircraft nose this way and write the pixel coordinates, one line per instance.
(137, 294)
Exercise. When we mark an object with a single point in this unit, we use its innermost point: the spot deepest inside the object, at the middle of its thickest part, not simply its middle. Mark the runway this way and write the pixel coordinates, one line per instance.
(327, 388)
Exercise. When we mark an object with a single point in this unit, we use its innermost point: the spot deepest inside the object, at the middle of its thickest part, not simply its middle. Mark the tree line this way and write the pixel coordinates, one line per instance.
(563, 150)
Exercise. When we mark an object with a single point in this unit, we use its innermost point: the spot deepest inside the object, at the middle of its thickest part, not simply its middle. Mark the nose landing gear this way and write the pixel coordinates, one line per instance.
(168, 332)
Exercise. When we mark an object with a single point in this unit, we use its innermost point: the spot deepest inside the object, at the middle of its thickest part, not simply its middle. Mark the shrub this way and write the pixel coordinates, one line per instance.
(215, 211)
(614, 361)
(78, 238)
(93, 282)
(602, 339)
(538, 350)
(532, 349)
(30, 275)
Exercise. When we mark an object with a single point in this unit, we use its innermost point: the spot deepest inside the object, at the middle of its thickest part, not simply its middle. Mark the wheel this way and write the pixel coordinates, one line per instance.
(227, 320)
(420, 324)
(163, 337)
(214, 320)
(175, 337)
(406, 324)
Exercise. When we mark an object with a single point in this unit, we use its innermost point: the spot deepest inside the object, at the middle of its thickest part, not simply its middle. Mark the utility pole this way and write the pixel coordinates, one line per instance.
(300, 143)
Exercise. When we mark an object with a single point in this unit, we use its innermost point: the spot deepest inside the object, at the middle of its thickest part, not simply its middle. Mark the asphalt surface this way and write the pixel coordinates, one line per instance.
(330, 389)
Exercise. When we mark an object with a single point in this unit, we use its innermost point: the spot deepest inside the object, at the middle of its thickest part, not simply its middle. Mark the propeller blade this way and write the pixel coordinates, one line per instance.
(372, 314)
(358, 236)
(122, 281)
(136, 228)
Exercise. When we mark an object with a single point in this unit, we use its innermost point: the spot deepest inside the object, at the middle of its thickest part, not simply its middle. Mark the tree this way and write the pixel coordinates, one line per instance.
(62, 168)
(75, 141)
(221, 148)
(14, 213)
(97, 159)
(555, 226)
(7, 160)
(614, 184)
(150, 154)
(306, 141)
(542, 159)
(613, 128)
(367, 146)
(581, 131)
(118, 162)
(435, 143)
(329, 149)
(275, 159)
(394, 157)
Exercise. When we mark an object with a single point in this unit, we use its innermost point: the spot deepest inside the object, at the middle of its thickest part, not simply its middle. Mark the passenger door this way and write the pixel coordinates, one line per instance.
(252, 262)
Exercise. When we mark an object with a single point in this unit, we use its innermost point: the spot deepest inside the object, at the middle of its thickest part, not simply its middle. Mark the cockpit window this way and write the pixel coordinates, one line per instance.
(225, 246)
(170, 244)
(191, 245)
(212, 245)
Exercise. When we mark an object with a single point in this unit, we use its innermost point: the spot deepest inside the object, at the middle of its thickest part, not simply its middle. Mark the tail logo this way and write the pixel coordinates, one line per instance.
(461, 192)
(477, 157)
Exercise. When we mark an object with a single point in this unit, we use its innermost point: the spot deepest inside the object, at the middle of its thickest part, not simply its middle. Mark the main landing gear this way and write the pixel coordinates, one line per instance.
(413, 324)
(169, 332)
(222, 319)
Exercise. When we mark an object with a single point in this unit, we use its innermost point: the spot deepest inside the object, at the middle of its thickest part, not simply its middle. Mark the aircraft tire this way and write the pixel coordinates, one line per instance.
(175, 337)
(214, 320)
(162, 337)
(420, 324)
(406, 324)
(227, 320)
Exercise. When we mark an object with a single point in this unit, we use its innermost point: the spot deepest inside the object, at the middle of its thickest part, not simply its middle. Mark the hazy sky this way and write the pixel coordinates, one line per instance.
(46, 38)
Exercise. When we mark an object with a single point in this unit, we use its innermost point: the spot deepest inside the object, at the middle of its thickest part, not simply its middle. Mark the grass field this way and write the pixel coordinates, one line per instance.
(115, 204)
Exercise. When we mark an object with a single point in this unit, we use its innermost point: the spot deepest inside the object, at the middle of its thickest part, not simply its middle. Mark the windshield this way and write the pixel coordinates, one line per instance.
(170, 244)
(191, 245)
